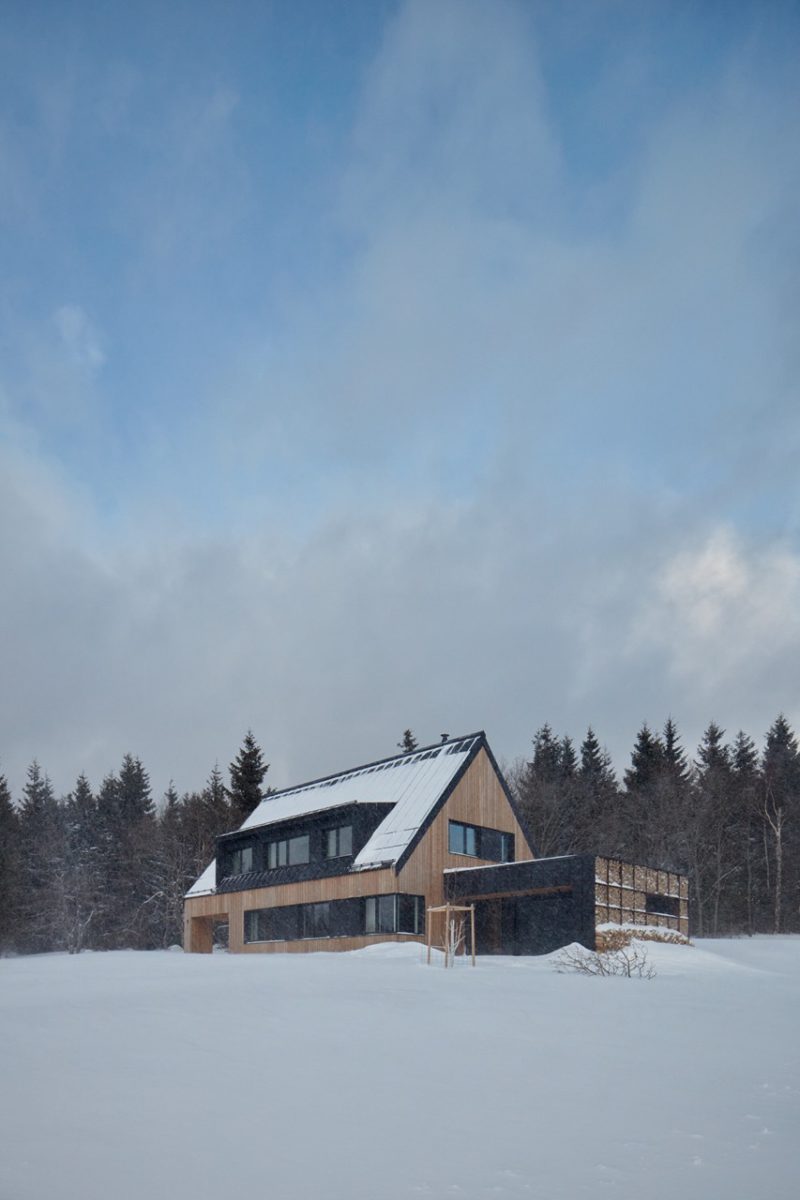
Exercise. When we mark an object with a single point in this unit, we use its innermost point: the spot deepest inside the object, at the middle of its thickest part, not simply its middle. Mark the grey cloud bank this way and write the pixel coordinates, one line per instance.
(525, 450)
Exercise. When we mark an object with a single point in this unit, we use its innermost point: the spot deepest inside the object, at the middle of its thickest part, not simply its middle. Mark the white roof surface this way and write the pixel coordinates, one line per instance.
(206, 883)
(412, 783)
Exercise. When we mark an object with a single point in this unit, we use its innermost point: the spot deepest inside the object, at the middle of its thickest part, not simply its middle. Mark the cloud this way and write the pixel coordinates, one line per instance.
(726, 617)
(442, 618)
(79, 337)
(452, 117)
(497, 462)
(483, 322)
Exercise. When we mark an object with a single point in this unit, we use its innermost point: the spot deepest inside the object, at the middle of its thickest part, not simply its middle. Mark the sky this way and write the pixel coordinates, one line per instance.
(426, 364)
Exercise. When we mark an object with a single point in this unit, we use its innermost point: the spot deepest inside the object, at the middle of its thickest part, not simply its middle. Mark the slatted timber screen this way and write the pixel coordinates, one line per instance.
(622, 891)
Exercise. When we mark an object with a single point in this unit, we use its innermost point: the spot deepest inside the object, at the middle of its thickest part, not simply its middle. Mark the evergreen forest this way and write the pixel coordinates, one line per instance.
(108, 869)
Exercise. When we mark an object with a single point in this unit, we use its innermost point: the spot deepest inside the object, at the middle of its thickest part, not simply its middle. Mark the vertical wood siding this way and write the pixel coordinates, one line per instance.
(478, 799)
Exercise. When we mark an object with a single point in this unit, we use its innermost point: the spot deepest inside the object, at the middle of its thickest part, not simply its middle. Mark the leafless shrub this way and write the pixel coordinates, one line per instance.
(455, 940)
(631, 961)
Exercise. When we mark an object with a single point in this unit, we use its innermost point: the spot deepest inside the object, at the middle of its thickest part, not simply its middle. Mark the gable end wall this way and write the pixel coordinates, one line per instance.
(477, 799)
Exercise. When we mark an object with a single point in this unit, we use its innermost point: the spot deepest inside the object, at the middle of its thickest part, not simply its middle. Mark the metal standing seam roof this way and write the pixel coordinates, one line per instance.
(412, 783)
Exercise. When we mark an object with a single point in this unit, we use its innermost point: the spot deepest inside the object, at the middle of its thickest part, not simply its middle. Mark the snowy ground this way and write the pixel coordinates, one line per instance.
(168, 1077)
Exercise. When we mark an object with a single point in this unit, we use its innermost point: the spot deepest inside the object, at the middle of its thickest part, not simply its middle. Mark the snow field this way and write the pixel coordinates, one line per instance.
(371, 1076)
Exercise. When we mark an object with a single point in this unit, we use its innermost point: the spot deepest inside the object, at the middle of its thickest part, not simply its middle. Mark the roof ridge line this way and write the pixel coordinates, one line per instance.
(380, 762)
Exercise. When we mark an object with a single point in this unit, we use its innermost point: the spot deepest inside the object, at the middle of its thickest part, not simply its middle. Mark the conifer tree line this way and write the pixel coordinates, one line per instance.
(109, 869)
(729, 817)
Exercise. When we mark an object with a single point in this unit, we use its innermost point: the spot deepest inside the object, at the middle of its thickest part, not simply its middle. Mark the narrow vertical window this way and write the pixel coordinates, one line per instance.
(338, 842)
(241, 860)
(506, 847)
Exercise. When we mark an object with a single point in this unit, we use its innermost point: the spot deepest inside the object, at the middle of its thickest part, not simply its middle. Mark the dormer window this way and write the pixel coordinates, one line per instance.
(241, 860)
(338, 842)
(288, 852)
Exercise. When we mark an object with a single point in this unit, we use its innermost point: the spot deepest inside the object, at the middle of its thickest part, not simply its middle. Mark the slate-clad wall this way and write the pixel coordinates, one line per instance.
(364, 818)
(576, 893)
(531, 907)
(478, 798)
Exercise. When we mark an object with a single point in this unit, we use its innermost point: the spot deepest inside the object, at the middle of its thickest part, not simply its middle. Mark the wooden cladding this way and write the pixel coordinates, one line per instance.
(477, 799)
(231, 906)
(626, 894)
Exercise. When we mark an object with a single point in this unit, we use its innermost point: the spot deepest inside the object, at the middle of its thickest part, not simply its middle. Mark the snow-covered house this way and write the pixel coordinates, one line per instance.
(361, 856)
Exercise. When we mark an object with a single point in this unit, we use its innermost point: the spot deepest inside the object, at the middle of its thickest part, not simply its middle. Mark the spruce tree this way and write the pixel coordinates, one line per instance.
(591, 756)
(546, 787)
(173, 871)
(708, 832)
(599, 807)
(127, 823)
(647, 760)
(675, 763)
(753, 900)
(640, 801)
(568, 759)
(216, 800)
(204, 816)
(780, 770)
(547, 755)
(247, 775)
(409, 743)
(9, 870)
(79, 879)
(41, 846)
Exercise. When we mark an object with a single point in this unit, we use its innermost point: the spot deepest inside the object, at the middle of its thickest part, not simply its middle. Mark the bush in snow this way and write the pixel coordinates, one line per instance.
(630, 960)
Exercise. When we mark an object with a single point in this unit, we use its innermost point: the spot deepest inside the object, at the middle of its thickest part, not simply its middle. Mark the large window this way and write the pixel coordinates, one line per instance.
(316, 920)
(463, 839)
(394, 914)
(338, 842)
(272, 924)
(478, 841)
(380, 914)
(256, 925)
(410, 914)
(336, 918)
(240, 860)
(288, 852)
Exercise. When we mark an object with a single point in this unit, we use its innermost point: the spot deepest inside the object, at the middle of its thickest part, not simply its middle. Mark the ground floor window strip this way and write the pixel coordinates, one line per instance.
(395, 913)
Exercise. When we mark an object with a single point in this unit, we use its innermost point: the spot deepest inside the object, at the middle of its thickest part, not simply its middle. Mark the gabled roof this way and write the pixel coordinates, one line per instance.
(412, 783)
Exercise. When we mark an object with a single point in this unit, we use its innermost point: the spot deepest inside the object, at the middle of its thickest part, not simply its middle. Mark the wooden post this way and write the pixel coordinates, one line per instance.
(447, 910)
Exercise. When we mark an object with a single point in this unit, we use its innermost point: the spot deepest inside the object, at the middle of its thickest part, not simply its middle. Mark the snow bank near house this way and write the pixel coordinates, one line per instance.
(371, 1076)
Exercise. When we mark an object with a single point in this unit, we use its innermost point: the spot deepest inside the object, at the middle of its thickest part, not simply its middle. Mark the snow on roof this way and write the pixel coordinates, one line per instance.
(207, 881)
(411, 783)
